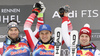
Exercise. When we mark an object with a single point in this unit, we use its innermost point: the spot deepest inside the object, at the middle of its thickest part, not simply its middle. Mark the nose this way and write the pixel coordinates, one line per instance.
(13, 31)
(44, 35)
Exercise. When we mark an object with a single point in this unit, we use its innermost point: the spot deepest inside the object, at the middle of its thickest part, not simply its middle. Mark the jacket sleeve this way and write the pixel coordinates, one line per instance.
(66, 28)
(97, 53)
(1, 48)
(30, 35)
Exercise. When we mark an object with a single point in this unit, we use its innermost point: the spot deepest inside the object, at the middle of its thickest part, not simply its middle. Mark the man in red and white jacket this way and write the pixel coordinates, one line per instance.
(37, 13)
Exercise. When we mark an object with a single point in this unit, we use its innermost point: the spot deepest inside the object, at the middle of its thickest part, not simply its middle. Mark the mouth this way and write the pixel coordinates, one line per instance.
(13, 34)
(84, 41)
(44, 38)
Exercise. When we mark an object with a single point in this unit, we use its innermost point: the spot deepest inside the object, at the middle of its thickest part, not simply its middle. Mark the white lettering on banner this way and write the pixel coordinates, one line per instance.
(14, 10)
(96, 14)
(95, 35)
(56, 14)
(74, 14)
(3, 36)
(7, 18)
(89, 13)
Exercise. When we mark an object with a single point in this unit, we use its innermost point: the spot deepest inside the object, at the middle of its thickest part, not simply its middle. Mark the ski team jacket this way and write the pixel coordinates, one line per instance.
(19, 49)
(88, 50)
(66, 27)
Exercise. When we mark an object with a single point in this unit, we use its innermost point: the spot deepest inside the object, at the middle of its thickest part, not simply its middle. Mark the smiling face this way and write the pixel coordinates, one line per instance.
(84, 39)
(45, 35)
(13, 33)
